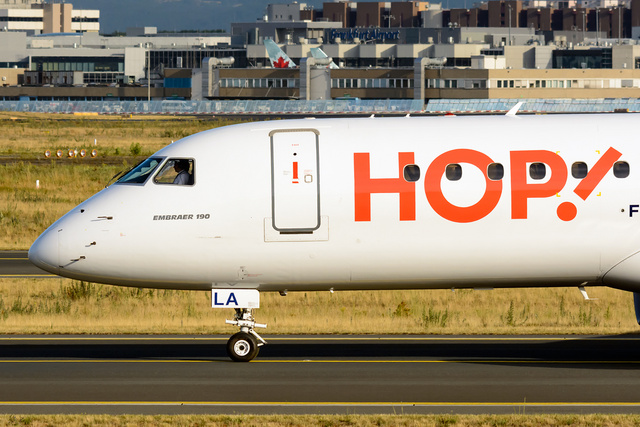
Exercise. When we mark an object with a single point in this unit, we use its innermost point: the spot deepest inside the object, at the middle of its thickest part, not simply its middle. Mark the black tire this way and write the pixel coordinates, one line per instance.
(242, 347)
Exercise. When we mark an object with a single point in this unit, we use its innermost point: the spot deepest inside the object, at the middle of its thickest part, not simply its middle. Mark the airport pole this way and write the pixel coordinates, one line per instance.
(619, 24)
(389, 18)
(509, 7)
(597, 26)
(149, 76)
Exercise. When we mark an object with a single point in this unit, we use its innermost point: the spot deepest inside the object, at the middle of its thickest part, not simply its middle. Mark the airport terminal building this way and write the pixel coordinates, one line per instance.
(383, 50)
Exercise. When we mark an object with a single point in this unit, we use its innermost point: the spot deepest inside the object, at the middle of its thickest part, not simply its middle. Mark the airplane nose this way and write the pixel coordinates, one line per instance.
(44, 251)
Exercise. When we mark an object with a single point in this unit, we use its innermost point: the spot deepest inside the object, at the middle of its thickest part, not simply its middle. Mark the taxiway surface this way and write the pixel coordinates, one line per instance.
(336, 374)
(332, 374)
(17, 264)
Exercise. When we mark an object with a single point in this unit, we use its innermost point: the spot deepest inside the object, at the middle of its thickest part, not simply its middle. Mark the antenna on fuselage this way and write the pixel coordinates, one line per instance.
(514, 110)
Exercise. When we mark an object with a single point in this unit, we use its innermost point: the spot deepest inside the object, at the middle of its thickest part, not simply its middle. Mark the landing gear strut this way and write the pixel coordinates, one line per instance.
(244, 346)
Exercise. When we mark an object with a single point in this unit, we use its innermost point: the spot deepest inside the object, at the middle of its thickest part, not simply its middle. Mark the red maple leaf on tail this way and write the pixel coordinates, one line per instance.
(281, 63)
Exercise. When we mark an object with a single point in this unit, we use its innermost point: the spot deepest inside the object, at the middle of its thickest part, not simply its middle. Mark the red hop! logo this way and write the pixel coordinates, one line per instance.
(281, 63)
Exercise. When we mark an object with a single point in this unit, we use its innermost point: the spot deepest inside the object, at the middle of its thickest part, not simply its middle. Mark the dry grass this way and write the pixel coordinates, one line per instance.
(322, 420)
(29, 135)
(30, 306)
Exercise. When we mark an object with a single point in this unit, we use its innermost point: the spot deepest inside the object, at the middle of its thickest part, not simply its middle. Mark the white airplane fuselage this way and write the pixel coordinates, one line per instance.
(320, 204)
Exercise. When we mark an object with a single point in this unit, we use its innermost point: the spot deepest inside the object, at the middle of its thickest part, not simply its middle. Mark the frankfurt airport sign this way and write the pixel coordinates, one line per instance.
(364, 34)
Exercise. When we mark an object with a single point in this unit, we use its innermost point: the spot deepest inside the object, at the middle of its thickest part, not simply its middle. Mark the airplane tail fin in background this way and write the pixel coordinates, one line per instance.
(318, 53)
(278, 58)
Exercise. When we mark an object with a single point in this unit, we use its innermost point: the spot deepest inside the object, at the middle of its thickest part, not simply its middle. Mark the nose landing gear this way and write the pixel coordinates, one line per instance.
(244, 345)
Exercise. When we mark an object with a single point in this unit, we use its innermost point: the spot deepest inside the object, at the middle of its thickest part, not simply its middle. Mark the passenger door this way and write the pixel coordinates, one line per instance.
(295, 183)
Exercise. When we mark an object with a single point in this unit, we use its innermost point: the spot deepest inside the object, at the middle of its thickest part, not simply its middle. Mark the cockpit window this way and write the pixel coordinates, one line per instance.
(177, 172)
(140, 173)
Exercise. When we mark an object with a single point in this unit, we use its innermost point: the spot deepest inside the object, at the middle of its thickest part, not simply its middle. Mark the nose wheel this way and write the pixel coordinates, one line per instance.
(244, 346)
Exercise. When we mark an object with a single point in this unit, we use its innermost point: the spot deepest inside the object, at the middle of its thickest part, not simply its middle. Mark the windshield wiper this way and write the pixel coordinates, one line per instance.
(118, 176)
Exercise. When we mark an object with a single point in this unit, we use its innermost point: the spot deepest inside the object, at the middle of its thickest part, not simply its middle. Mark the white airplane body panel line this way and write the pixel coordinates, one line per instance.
(382, 231)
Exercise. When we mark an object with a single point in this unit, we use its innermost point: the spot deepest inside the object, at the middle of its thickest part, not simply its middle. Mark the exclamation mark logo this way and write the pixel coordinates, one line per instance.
(295, 173)
(567, 210)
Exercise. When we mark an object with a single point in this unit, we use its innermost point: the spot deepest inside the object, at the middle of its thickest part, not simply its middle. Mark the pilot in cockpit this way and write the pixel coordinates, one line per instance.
(181, 167)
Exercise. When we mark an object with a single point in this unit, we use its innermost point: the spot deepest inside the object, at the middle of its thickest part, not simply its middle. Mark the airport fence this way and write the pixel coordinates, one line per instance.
(320, 107)
(251, 107)
(495, 106)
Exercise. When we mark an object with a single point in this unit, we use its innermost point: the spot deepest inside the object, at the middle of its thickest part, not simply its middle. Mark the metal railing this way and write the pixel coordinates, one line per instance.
(355, 106)
(470, 106)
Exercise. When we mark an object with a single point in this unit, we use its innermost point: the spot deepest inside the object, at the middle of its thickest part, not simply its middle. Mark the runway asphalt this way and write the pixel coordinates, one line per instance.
(333, 374)
(318, 374)
(17, 264)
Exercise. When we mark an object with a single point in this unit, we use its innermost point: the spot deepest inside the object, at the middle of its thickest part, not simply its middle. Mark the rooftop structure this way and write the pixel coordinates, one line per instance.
(35, 17)
(20, 4)
(615, 18)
